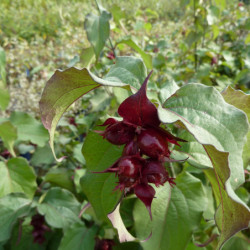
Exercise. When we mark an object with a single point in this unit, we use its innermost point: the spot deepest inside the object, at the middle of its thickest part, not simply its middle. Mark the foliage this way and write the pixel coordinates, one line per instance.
(200, 86)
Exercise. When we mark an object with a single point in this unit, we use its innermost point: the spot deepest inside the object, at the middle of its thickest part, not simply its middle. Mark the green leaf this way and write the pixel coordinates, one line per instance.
(38, 158)
(193, 37)
(60, 208)
(17, 176)
(176, 213)
(2, 68)
(60, 177)
(213, 14)
(87, 56)
(12, 207)
(218, 126)
(196, 153)
(97, 29)
(65, 87)
(29, 129)
(78, 237)
(129, 70)
(216, 31)
(247, 40)
(146, 57)
(168, 89)
(4, 98)
(241, 101)
(221, 4)
(99, 187)
(8, 134)
(232, 215)
(117, 13)
(237, 243)
(205, 114)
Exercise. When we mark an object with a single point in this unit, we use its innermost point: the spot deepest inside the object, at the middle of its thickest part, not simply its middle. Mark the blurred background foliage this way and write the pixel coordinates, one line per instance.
(184, 41)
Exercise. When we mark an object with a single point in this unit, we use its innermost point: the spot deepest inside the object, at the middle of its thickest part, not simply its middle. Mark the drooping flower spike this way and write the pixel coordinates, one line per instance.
(146, 147)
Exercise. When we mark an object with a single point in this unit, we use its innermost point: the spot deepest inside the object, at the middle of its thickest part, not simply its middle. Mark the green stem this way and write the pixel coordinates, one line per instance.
(195, 44)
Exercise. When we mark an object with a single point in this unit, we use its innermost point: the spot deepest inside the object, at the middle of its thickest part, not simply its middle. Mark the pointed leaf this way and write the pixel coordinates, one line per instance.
(97, 29)
(65, 87)
(176, 214)
(17, 176)
(78, 237)
(138, 110)
(241, 101)
(99, 187)
(12, 207)
(205, 114)
(8, 134)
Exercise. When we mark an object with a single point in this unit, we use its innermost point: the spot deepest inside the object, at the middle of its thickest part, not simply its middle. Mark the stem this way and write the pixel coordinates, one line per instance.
(213, 237)
(172, 169)
(195, 44)
(19, 231)
(84, 209)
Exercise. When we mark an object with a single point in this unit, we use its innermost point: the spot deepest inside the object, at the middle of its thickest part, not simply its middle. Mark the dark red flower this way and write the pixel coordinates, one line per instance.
(146, 147)
(38, 223)
(155, 172)
(146, 194)
(104, 244)
(153, 144)
(119, 133)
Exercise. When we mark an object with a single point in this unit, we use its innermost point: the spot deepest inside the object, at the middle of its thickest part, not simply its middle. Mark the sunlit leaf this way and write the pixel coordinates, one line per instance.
(212, 121)
(218, 126)
(8, 134)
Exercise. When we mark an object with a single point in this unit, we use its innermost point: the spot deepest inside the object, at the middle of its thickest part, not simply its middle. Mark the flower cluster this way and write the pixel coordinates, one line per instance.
(39, 228)
(146, 147)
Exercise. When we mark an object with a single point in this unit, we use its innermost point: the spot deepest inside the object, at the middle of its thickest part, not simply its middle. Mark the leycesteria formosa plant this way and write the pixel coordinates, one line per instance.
(146, 147)
(133, 155)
